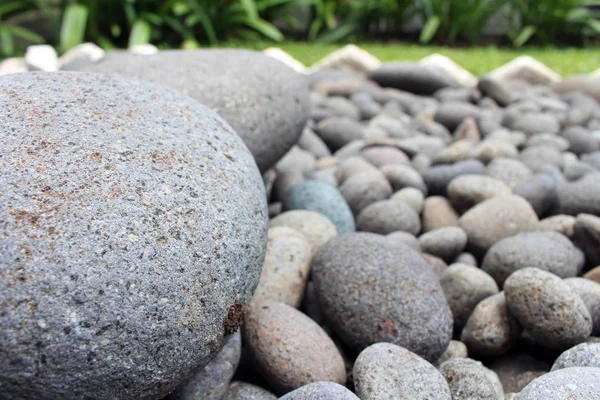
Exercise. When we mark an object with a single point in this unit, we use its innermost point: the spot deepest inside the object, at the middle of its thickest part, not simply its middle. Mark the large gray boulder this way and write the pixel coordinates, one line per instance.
(266, 102)
(133, 233)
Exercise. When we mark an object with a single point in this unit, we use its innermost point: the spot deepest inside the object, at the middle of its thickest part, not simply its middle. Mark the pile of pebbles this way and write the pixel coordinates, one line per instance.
(417, 239)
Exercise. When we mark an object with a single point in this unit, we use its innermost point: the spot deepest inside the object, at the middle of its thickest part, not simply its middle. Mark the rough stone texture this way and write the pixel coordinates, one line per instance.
(322, 198)
(365, 188)
(546, 250)
(279, 336)
(446, 243)
(516, 370)
(315, 227)
(464, 287)
(467, 190)
(437, 178)
(388, 216)
(387, 371)
(358, 280)
(582, 355)
(126, 237)
(266, 102)
(589, 291)
(495, 219)
(247, 391)
(412, 77)
(467, 379)
(491, 329)
(321, 391)
(586, 235)
(568, 383)
(438, 213)
(286, 267)
(437, 264)
(455, 349)
(212, 381)
(546, 306)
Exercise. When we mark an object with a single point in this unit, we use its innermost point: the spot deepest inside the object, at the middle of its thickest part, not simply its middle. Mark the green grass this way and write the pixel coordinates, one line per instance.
(478, 60)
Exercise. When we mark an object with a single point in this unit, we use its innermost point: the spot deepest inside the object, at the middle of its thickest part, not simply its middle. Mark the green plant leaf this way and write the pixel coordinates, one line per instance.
(73, 27)
(7, 44)
(140, 33)
(265, 28)
(250, 8)
(578, 14)
(524, 36)
(430, 29)
(594, 24)
(24, 33)
(337, 34)
(314, 29)
(105, 43)
(202, 16)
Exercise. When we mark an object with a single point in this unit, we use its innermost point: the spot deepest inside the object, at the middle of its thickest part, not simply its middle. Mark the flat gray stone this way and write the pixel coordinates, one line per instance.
(266, 102)
(387, 371)
(412, 77)
(134, 228)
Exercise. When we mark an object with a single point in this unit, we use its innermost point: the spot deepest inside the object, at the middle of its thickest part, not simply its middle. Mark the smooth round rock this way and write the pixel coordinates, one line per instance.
(387, 371)
(534, 123)
(315, 227)
(491, 329)
(404, 238)
(402, 176)
(582, 355)
(511, 172)
(546, 306)
(296, 160)
(385, 155)
(495, 90)
(467, 258)
(322, 198)
(412, 77)
(438, 213)
(456, 349)
(446, 243)
(438, 177)
(547, 250)
(338, 132)
(388, 216)
(564, 384)
(212, 381)
(467, 379)
(411, 196)
(586, 235)
(363, 189)
(580, 140)
(490, 149)
(464, 287)
(452, 113)
(286, 267)
(246, 391)
(372, 291)
(589, 291)
(467, 190)
(278, 337)
(564, 224)
(134, 223)
(536, 156)
(495, 219)
(353, 165)
(320, 391)
(311, 142)
(539, 191)
(266, 102)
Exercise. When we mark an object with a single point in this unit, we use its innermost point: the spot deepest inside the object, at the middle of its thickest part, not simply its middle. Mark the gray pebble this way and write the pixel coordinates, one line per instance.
(580, 140)
(466, 258)
(411, 196)
(452, 113)
(456, 349)
(546, 250)
(586, 235)
(464, 287)
(401, 176)
(388, 216)
(437, 178)
(405, 238)
(547, 308)
(337, 132)
(582, 196)
(247, 391)
(310, 141)
(363, 189)
(491, 329)
(412, 77)
(446, 243)
(536, 156)
(438, 213)
(467, 379)
(495, 90)
(387, 371)
(511, 172)
(582, 355)
(568, 383)
(437, 264)
(385, 155)
(320, 391)
(467, 190)
(278, 337)
(532, 123)
(365, 266)
(315, 227)
(589, 291)
(564, 224)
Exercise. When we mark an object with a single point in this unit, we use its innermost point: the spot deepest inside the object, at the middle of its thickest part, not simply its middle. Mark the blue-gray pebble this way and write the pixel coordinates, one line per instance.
(323, 198)
(133, 219)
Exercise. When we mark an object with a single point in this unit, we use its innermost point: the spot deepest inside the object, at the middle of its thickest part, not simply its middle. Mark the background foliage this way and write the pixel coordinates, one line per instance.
(192, 23)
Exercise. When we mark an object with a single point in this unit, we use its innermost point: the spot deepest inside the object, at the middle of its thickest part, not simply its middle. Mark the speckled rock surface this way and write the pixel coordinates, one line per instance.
(278, 337)
(467, 379)
(582, 355)
(546, 306)
(212, 381)
(266, 102)
(404, 238)
(464, 287)
(411, 196)
(320, 391)
(247, 391)
(589, 291)
(491, 329)
(497, 218)
(120, 265)
(387, 371)
(286, 267)
(516, 370)
(581, 196)
(322, 198)
(446, 243)
(315, 227)
(546, 250)
(456, 349)
(567, 383)
(387, 216)
(357, 278)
